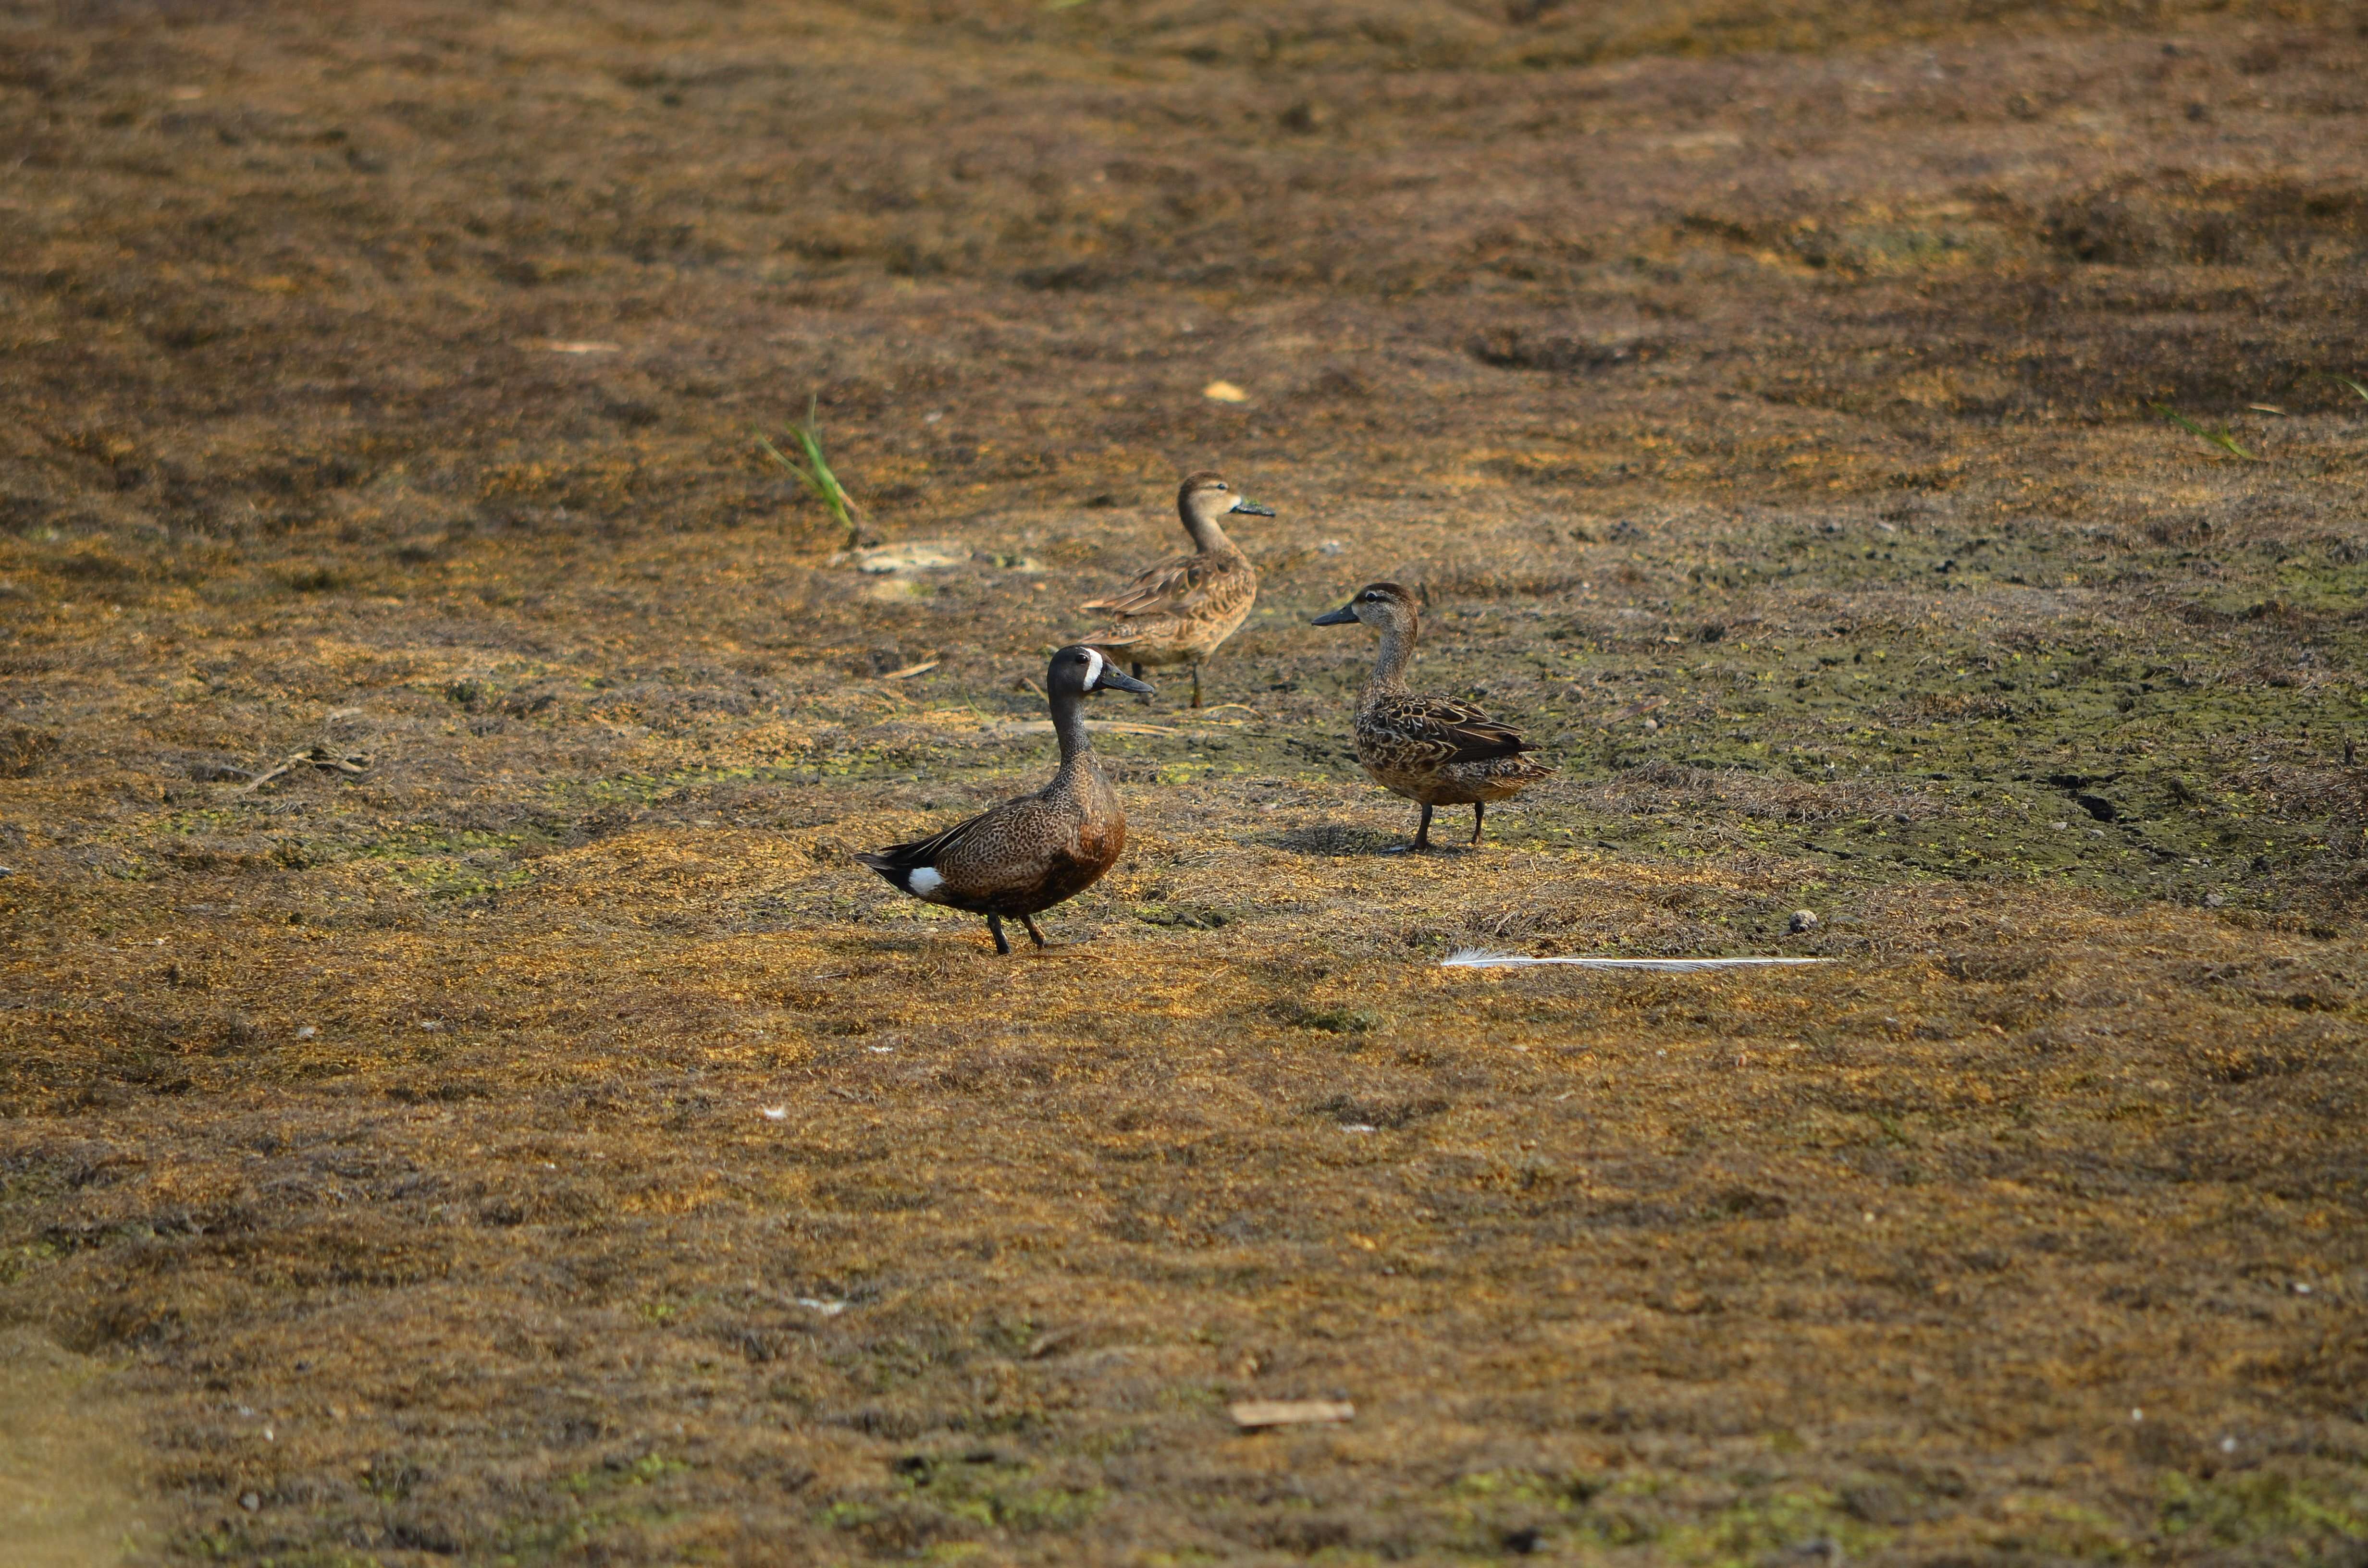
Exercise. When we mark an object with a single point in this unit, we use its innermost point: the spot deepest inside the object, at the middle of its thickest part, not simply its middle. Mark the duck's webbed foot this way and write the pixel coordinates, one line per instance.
(1029, 922)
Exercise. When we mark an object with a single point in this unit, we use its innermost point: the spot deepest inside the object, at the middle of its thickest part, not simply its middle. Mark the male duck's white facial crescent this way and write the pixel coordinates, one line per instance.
(1093, 669)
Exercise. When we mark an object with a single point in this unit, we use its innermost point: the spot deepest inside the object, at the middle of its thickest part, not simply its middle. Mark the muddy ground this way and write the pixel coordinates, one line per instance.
(536, 1143)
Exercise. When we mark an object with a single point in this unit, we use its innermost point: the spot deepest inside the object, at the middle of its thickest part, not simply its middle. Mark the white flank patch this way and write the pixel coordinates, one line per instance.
(1473, 958)
(924, 883)
(1093, 669)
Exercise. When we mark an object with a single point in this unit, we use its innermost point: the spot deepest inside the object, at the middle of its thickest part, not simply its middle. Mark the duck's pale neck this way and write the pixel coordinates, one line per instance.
(1207, 535)
(1069, 727)
(1390, 663)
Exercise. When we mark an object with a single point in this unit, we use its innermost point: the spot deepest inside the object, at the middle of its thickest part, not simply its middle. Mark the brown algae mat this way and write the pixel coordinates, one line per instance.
(515, 1133)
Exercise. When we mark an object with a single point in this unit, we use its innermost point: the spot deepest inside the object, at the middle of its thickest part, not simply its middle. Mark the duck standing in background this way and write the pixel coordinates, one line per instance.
(1027, 855)
(1433, 750)
(1179, 611)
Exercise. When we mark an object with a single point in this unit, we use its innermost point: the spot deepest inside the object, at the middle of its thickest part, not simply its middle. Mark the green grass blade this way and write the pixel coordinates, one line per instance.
(2220, 438)
(812, 470)
(2339, 380)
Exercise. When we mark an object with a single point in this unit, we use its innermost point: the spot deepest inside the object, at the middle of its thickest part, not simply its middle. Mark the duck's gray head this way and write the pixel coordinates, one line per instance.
(1078, 669)
(1205, 496)
(1380, 605)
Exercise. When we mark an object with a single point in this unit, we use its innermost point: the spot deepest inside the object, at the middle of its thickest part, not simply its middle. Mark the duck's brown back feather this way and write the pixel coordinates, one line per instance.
(1022, 857)
(1441, 752)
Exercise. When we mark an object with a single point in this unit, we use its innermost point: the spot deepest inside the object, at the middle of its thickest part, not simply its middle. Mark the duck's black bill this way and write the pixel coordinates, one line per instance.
(1119, 680)
(1340, 617)
(1254, 509)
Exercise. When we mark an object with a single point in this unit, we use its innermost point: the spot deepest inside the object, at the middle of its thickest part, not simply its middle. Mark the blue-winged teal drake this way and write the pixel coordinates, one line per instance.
(1179, 611)
(1025, 856)
(1432, 750)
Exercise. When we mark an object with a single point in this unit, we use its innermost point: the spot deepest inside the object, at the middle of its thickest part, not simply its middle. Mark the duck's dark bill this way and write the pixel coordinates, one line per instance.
(1119, 680)
(1340, 617)
(1254, 509)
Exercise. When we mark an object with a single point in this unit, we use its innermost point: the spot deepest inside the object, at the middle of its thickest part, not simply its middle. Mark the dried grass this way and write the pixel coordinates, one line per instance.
(545, 1145)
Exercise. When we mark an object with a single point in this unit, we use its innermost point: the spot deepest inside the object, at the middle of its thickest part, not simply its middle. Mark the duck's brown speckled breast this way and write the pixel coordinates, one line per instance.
(1097, 840)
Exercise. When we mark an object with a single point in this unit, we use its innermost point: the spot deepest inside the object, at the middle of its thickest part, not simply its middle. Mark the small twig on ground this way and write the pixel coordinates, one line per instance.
(1253, 1414)
(351, 764)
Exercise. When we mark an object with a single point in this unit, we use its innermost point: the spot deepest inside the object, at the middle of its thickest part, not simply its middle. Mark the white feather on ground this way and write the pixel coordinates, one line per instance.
(1474, 957)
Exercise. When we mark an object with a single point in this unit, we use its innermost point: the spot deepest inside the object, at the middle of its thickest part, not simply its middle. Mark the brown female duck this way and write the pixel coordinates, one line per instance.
(1181, 610)
(1432, 750)
(1025, 856)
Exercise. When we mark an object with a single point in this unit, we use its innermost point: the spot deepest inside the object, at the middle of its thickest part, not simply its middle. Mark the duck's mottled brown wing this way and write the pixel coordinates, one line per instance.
(1175, 587)
(924, 851)
(1033, 853)
(1439, 730)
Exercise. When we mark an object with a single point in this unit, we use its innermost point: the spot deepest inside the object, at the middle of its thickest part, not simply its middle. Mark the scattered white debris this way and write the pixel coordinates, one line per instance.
(2300, 1289)
(915, 555)
(1359, 1127)
(1474, 957)
(579, 346)
(827, 1308)
(1330, 547)
(909, 671)
(307, 1032)
(2059, 826)
(880, 1050)
(2136, 1414)
(1253, 1414)
(2228, 1444)
(777, 1113)
(1224, 391)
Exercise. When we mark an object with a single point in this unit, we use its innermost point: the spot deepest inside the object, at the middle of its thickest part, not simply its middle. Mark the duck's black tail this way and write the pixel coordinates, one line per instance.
(903, 863)
(896, 863)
